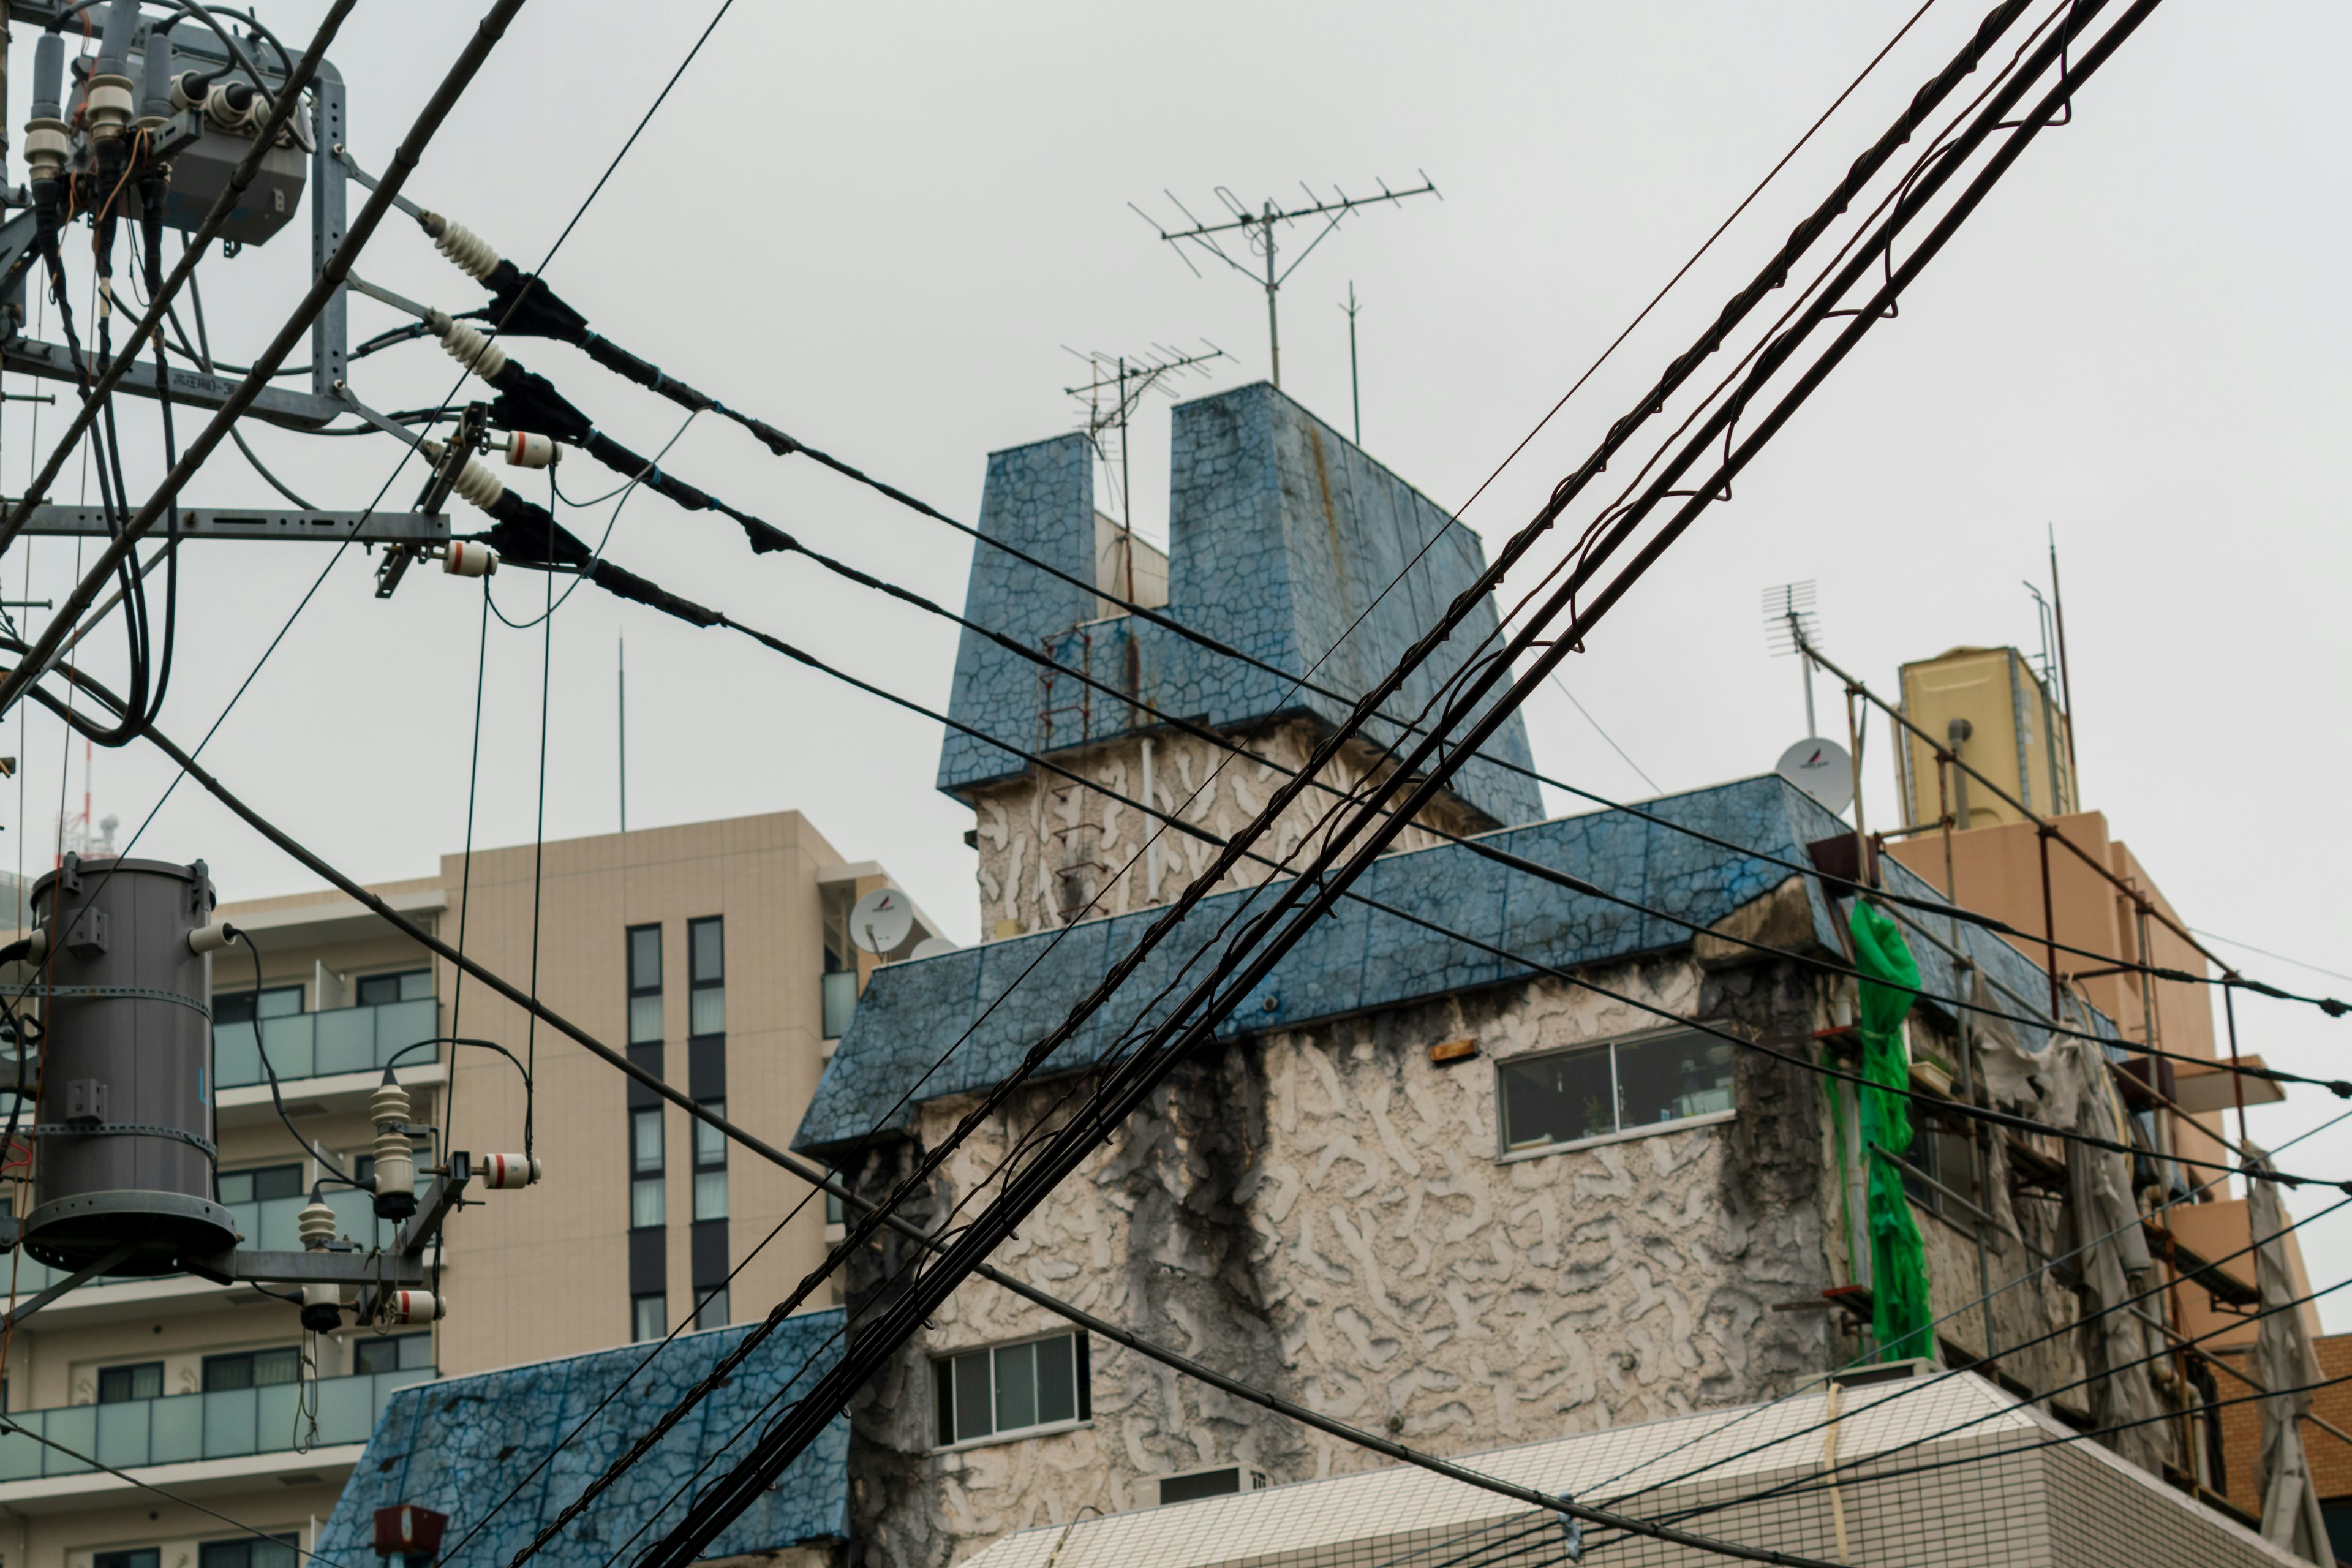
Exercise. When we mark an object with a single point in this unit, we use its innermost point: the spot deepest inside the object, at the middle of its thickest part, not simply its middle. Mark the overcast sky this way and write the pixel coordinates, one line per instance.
(880, 226)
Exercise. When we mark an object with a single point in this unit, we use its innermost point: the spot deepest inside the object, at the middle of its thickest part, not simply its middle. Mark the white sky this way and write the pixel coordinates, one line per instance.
(877, 226)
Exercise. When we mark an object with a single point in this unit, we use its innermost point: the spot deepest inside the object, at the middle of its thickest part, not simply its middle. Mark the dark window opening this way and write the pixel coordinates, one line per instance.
(252, 1369)
(260, 1184)
(408, 985)
(1009, 1389)
(241, 1008)
(396, 1353)
(142, 1380)
(644, 948)
(705, 952)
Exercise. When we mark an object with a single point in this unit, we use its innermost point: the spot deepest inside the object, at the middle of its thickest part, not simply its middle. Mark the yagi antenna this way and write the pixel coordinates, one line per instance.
(1257, 230)
(1114, 385)
(1792, 625)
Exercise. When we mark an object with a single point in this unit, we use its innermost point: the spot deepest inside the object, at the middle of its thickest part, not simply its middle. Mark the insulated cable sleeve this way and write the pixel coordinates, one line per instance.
(527, 308)
(624, 363)
(530, 403)
(643, 471)
(526, 536)
(629, 586)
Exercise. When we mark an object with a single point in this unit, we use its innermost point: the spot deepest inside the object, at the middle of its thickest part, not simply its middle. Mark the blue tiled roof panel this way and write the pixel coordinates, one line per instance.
(960, 1022)
(462, 1445)
(1286, 542)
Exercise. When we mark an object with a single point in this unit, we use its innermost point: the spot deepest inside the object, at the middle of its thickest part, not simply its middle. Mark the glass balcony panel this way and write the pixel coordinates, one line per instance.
(346, 1040)
(236, 1059)
(229, 1426)
(355, 1211)
(338, 1040)
(176, 1433)
(278, 1417)
(399, 1025)
(76, 1428)
(387, 1383)
(291, 1044)
(279, 1229)
(840, 1001)
(346, 1409)
(20, 1456)
(122, 1433)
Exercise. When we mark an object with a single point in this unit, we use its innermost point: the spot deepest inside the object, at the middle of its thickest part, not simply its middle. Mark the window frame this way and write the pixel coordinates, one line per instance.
(636, 992)
(1081, 1377)
(656, 1177)
(711, 1305)
(133, 1367)
(393, 1343)
(1504, 1154)
(301, 1185)
(360, 983)
(250, 1358)
(696, 984)
(209, 1550)
(709, 1159)
(637, 1306)
(300, 993)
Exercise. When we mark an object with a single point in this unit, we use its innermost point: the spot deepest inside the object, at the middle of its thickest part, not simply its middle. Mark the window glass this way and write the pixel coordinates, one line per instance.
(245, 1552)
(252, 1369)
(709, 1142)
(376, 990)
(710, 1195)
(1009, 1389)
(140, 1557)
(645, 985)
(649, 1204)
(974, 1396)
(839, 991)
(707, 970)
(648, 1317)
(238, 1007)
(1558, 1098)
(712, 1311)
(142, 1381)
(1016, 1387)
(707, 951)
(396, 1353)
(1623, 1087)
(646, 1139)
(1673, 1076)
(260, 1184)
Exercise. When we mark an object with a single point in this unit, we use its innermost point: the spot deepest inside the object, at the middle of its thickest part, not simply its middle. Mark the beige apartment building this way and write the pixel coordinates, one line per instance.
(717, 952)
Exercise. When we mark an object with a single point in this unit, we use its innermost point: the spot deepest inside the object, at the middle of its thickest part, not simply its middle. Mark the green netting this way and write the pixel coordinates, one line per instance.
(1900, 1316)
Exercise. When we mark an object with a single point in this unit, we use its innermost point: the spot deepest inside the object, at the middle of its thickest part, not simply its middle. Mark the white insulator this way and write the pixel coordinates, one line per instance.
(476, 483)
(469, 558)
(232, 106)
(316, 1227)
(395, 1166)
(466, 346)
(185, 93)
(505, 1171)
(47, 146)
(528, 450)
(211, 938)
(109, 104)
(388, 1106)
(412, 1307)
(462, 245)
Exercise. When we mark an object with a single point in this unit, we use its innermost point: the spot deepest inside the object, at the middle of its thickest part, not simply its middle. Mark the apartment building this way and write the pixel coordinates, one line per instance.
(717, 952)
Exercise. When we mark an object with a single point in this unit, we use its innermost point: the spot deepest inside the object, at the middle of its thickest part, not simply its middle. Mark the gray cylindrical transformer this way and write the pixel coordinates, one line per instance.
(126, 1143)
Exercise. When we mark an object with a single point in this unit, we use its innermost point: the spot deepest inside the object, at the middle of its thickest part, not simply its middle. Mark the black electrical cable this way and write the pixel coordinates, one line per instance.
(765, 538)
(203, 358)
(790, 1434)
(260, 1046)
(189, 766)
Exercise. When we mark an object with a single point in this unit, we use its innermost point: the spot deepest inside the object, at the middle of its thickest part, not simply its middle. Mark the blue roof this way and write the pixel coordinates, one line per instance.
(460, 1445)
(913, 1015)
(1282, 536)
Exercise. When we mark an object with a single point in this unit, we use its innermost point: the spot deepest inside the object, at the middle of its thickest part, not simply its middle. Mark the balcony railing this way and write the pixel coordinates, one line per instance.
(320, 1044)
(226, 1423)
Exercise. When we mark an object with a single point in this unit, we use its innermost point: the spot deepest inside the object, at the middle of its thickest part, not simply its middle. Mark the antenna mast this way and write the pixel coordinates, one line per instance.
(1792, 622)
(1115, 384)
(1257, 229)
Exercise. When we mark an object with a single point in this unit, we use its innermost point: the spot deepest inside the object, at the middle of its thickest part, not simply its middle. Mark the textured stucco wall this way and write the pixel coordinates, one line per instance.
(1052, 850)
(1322, 1210)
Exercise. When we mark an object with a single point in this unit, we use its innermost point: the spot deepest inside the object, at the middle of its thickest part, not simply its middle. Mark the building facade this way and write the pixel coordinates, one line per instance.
(1486, 1158)
(717, 952)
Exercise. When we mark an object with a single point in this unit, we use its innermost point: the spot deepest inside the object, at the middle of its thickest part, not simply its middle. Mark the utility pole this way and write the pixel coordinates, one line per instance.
(621, 671)
(1355, 385)
(1256, 229)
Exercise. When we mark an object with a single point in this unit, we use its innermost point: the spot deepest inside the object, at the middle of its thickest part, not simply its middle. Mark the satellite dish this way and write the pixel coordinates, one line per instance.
(1822, 770)
(882, 921)
(932, 946)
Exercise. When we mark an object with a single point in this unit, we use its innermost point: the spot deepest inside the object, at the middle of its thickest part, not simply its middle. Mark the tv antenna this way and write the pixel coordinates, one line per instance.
(1114, 385)
(1257, 229)
(1791, 620)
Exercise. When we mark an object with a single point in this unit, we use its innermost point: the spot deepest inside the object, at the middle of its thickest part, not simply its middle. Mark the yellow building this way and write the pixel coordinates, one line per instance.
(718, 952)
(1988, 706)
